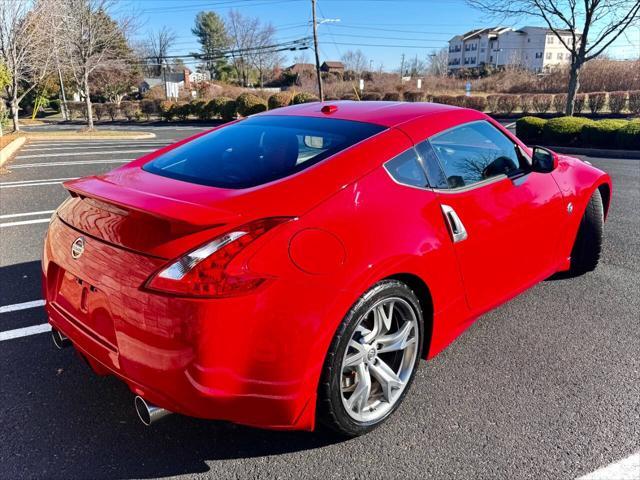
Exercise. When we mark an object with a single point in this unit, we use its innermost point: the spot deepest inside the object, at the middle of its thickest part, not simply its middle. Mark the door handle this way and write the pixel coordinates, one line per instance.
(456, 227)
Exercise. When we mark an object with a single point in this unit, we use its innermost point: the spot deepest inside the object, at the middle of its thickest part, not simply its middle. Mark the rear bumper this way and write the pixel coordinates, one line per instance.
(188, 391)
(237, 359)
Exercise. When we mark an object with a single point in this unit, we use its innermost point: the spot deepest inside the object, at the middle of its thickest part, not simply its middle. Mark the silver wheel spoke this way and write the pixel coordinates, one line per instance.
(387, 378)
(381, 322)
(360, 396)
(355, 358)
(397, 341)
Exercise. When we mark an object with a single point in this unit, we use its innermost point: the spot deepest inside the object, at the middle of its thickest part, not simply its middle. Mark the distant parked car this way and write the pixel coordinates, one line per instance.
(294, 266)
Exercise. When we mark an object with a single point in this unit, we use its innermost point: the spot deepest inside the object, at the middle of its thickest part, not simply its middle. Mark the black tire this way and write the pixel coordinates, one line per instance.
(587, 248)
(330, 409)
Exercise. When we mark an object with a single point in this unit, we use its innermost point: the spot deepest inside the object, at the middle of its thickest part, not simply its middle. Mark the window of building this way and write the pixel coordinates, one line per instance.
(559, 56)
(549, 39)
(548, 55)
(467, 47)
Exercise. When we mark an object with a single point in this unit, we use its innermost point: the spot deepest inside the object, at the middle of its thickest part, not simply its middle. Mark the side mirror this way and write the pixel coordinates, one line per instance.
(543, 160)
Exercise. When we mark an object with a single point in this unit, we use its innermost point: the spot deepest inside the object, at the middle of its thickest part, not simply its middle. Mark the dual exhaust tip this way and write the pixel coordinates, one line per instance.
(147, 412)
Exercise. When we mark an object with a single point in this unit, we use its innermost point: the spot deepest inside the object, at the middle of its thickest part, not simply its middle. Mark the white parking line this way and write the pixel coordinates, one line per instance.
(50, 149)
(509, 125)
(77, 162)
(24, 332)
(108, 152)
(36, 184)
(16, 182)
(27, 214)
(21, 306)
(115, 143)
(626, 469)
(24, 222)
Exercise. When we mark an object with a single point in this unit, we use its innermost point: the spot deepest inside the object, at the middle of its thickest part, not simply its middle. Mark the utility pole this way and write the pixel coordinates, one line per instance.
(315, 46)
(402, 67)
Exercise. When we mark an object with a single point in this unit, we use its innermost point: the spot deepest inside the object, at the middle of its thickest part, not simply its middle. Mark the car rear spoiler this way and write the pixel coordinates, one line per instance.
(159, 206)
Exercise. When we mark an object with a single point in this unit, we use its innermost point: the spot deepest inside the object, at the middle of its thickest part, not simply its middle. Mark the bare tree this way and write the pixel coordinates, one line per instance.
(586, 28)
(92, 40)
(157, 45)
(417, 67)
(264, 56)
(25, 47)
(355, 60)
(302, 57)
(439, 63)
(242, 31)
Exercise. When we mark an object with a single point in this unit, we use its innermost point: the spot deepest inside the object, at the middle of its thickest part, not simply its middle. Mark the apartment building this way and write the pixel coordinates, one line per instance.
(535, 48)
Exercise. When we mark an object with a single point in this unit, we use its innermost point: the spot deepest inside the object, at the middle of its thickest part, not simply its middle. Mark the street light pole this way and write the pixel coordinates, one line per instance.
(315, 47)
(163, 66)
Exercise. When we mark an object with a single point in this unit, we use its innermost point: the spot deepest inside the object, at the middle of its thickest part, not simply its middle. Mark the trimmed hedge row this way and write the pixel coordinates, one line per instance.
(547, 103)
(220, 107)
(249, 104)
(582, 132)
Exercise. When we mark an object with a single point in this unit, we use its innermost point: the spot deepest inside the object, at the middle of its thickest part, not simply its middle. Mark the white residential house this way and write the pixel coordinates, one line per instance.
(173, 82)
(535, 48)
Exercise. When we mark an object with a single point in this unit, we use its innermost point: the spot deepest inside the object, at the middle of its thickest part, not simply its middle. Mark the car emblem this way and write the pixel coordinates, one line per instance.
(77, 248)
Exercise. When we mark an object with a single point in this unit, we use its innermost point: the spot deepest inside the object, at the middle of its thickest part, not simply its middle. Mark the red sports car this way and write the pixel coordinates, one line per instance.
(295, 266)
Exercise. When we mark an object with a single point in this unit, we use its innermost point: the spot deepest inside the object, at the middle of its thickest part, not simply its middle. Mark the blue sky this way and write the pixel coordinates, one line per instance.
(382, 29)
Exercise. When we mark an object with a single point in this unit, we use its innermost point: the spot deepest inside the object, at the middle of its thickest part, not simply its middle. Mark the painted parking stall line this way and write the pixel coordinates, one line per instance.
(77, 162)
(27, 214)
(35, 183)
(626, 469)
(24, 332)
(19, 182)
(79, 154)
(24, 222)
(89, 147)
(21, 306)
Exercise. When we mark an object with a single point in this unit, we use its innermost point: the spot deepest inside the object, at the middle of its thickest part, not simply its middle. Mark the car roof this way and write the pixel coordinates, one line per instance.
(388, 114)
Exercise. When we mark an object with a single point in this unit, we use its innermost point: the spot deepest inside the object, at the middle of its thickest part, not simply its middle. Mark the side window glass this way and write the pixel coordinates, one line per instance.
(406, 169)
(475, 152)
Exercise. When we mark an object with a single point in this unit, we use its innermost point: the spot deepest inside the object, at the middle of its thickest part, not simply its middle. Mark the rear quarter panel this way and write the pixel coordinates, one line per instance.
(386, 229)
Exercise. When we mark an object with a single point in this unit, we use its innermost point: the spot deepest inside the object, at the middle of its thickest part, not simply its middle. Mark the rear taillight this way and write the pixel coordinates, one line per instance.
(203, 272)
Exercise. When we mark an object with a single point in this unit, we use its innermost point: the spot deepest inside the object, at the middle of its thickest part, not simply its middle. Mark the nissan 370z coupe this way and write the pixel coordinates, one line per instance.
(293, 267)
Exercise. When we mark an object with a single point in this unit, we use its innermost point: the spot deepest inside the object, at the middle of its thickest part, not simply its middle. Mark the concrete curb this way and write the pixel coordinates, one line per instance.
(597, 152)
(10, 149)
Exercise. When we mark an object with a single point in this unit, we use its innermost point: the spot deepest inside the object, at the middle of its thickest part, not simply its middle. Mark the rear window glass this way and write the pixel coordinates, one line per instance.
(259, 150)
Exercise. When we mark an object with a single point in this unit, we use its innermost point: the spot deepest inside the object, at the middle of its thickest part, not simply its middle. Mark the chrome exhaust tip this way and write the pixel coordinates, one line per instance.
(59, 340)
(147, 412)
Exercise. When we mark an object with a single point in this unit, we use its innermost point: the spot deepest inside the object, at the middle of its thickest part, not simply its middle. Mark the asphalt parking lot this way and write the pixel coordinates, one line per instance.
(547, 386)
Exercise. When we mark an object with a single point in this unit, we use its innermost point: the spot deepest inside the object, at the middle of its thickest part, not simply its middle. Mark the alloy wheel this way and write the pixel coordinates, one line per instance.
(379, 359)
